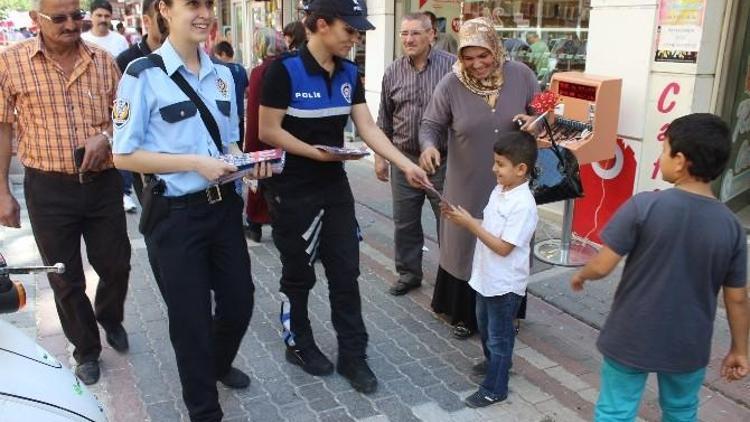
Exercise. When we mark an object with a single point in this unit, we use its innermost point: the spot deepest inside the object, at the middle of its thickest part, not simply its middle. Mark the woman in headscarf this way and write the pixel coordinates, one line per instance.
(268, 44)
(480, 99)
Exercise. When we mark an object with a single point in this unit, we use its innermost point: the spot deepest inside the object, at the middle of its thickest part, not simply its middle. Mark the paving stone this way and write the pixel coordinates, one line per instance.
(446, 399)
(357, 405)
(281, 393)
(393, 353)
(261, 409)
(535, 358)
(384, 370)
(407, 392)
(298, 412)
(163, 412)
(395, 410)
(418, 375)
(335, 415)
(529, 392)
(567, 379)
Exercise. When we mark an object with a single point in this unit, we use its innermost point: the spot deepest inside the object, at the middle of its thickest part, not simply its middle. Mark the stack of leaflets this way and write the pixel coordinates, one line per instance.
(351, 152)
(245, 163)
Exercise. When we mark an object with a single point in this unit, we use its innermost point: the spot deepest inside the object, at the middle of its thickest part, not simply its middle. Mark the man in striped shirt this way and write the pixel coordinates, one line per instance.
(408, 84)
(59, 91)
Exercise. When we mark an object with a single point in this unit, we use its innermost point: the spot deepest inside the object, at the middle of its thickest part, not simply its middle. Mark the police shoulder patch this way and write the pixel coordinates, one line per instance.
(120, 112)
(139, 65)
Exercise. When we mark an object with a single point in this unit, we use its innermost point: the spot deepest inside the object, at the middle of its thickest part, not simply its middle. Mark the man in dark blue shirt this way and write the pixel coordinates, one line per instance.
(306, 100)
(224, 54)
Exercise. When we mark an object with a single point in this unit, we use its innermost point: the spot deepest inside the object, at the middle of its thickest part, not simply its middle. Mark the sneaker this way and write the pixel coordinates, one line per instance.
(128, 204)
(358, 373)
(480, 399)
(480, 368)
(88, 372)
(235, 379)
(310, 359)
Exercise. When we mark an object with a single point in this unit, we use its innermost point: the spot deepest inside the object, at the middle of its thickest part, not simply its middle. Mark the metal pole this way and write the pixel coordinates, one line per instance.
(567, 230)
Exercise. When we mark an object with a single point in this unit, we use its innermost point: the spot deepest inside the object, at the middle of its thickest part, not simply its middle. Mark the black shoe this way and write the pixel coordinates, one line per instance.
(254, 232)
(235, 379)
(310, 359)
(118, 338)
(401, 287)
(88, 372)
(360, 375)
(461, 332)
(480, 368)
(480, 399)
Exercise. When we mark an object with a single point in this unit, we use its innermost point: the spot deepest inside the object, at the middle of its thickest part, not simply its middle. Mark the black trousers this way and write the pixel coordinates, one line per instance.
(201, 249)
(62, 210)
(320, 224)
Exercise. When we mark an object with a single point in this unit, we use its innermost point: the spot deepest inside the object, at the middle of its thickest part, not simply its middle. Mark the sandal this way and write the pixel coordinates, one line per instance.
(461, 332)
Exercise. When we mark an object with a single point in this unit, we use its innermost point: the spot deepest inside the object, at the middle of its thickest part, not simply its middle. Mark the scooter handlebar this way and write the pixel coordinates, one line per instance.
(58, 268)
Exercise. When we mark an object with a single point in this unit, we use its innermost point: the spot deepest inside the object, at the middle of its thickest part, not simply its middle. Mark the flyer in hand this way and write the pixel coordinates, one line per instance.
(436, 193)
(350, 152)
(246, 162)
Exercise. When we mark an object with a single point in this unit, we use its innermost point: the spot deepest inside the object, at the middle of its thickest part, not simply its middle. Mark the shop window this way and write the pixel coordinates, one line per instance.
(548, 35)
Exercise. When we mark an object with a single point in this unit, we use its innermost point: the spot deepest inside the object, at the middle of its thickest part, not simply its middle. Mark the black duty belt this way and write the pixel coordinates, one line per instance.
(81, 178)
(212, 195)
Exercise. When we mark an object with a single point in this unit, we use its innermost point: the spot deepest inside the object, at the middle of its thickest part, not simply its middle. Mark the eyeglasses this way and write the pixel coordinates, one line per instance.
(76, 16)
(413, 33)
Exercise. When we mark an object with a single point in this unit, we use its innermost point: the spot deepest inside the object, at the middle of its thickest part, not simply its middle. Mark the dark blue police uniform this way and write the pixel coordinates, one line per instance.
(311, 203)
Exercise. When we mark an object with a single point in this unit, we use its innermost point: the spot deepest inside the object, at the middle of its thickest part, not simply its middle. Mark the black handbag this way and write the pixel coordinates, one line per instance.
(556, 175)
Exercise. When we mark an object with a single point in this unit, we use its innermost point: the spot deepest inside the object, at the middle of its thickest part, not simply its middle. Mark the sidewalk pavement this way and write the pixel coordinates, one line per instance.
(423, 371)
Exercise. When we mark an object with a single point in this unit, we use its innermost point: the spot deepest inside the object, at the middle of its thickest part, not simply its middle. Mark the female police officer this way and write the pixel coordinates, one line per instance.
(199, 245)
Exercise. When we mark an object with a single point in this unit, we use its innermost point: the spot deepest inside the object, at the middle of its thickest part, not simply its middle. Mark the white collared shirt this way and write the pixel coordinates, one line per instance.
(511, 216)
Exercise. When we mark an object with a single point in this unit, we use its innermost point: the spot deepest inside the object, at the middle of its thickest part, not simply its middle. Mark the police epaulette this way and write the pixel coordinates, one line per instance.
(139, 65)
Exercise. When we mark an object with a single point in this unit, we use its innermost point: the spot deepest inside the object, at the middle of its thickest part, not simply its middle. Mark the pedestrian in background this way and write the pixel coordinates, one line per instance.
(224, 53)
(478, 101)
(101, 36)
(59, 91)
(204, 265)
(295, 35)
(269, 45)
(407, 87)
(441, 40)
(662, 317)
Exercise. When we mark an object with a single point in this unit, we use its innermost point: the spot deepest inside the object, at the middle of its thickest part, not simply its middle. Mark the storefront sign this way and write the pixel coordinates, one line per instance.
(669, 97)
(679, 30)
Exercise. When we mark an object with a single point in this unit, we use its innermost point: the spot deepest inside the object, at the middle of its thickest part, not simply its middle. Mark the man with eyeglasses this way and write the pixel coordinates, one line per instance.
(59, 91)
(408, 84)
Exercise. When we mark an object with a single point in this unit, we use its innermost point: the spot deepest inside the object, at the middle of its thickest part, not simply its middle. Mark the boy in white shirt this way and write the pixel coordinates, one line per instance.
(500, 270)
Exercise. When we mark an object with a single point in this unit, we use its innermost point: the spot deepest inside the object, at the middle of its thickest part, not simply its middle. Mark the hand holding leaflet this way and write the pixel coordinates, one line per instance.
(246, 163)
(348, 152)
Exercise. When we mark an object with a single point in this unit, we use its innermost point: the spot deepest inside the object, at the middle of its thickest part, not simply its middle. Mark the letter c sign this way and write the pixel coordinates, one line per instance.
(673, 88)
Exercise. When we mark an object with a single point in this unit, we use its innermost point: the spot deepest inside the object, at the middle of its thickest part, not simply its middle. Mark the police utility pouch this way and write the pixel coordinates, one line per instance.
(155, 206)
(557, 175)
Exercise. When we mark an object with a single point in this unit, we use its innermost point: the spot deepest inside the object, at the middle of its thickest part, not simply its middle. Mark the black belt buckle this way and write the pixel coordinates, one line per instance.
(213, 194)
(85, 177)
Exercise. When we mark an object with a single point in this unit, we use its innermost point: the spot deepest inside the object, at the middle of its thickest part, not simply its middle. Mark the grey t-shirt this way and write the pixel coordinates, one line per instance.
(681, 249)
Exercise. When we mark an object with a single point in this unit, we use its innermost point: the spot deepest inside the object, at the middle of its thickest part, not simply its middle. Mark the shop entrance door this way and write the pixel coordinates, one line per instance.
(734, 187)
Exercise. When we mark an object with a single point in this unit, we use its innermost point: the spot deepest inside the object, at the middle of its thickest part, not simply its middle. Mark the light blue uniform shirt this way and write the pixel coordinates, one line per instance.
(152, 113)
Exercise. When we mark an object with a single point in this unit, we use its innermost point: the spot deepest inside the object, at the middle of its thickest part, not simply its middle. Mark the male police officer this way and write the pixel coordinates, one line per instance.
(307, 98)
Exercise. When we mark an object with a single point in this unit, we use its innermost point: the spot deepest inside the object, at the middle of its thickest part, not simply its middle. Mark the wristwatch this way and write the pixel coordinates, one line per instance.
(108, 137)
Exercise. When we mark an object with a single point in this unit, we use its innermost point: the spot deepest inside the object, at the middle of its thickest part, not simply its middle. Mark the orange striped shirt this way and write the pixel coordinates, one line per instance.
(55, 112)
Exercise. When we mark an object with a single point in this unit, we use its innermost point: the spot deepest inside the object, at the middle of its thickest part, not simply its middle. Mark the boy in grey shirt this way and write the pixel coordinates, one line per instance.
(682, 247)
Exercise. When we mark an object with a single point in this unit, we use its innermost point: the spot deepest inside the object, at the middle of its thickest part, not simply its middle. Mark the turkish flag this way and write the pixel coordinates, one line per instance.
(607, 185)
(422, 3)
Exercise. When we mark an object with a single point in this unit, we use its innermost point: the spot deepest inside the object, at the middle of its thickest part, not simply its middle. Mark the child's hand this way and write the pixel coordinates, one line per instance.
(577, 281)
(734, 367)
(459, 215)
